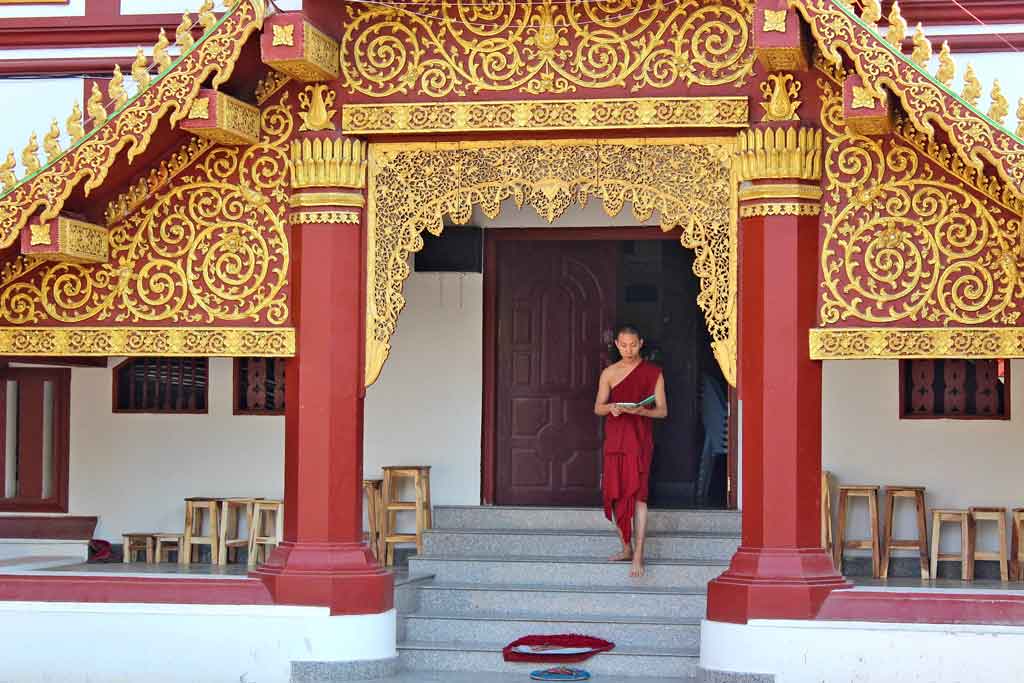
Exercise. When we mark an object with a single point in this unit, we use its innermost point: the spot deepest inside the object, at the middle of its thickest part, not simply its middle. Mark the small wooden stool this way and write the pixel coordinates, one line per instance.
(164, 543)
(194, 513)
(1016, 551)
(374, 497)
(892, 494)
(826, 513)
(265, 512)
(998, 515)
(963, 518)
(137, 542)
(231, 511)
(842, 543)
(392, 505)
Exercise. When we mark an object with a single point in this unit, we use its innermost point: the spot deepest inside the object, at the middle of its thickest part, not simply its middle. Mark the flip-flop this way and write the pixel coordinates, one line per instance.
(560, 673)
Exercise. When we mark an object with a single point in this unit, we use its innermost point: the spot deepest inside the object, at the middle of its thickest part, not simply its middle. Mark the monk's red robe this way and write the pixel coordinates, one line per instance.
(628, 447)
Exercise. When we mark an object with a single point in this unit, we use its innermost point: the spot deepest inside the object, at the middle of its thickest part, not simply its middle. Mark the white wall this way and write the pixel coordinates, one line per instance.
(961, 462)
(135, 470)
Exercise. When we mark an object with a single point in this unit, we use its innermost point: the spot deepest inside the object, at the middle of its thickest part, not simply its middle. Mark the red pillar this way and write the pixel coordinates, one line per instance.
(323, 560)
(779, 571)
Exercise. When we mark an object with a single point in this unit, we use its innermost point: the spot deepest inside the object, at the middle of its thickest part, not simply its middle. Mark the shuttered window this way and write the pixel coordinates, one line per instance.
(161, 385)
(259, 386)
(953, 388)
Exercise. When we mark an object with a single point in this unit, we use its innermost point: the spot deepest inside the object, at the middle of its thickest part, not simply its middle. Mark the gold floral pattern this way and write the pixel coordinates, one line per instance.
(457, 47)
(147, 341)
(688, 182)
(889, 342)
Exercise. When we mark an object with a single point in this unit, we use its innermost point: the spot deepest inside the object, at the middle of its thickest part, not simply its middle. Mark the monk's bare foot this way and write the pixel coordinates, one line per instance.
(637, 570)
(622, 556)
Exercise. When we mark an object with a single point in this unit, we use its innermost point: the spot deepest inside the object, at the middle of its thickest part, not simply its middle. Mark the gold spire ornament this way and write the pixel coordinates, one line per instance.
(28, 155)
(76, 131)
(183, 34)
(871, 12)
(780, 93)
(7, 178)
(1000, 107)
(115, 89)
(51, 142)
(972, 87)
(160, 56)
(94, 106)
(897, 28)
(1020, 118)
(140, 70)
(922, 53)
(207, 18)
(947, 67)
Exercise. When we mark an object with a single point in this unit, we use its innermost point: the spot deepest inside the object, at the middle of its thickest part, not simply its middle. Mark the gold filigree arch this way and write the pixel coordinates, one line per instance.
(689, 182)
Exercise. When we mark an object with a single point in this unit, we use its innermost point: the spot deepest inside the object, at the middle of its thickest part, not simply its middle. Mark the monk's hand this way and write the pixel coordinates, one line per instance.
(615, 410)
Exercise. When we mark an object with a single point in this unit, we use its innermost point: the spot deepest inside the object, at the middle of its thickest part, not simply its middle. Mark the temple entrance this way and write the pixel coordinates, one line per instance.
(555, 298)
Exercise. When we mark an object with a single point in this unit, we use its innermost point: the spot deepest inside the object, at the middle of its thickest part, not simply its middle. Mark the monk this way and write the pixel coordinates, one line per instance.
(629, 441)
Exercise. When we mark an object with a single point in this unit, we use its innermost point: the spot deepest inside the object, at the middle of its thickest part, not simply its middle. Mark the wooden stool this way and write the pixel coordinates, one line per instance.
(997, 515)
(892, 494)
(260, 539)
(842, 543)
(137, 542)
(231, 510)
(374, 497)
(963, 518)
(1016, 551)
(194, 509)
(392, 505)
(164, 543)
(826, 513)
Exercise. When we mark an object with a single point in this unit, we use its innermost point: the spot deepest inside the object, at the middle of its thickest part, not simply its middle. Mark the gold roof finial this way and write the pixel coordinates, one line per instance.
(1000, 107)
(922, 53)
(183, 34)
(76, 131)
(972, 87)
(897, 28)
(206, 16)
(140, 70)
(7, 178)
(28, 155)
(947, 67)
(1020, 118)
(160, 56)
(115, 89)
(95, 107)
(871, 12)
(51, 142)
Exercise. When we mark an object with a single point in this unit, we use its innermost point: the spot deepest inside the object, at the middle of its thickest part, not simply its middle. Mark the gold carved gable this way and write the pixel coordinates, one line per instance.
(461, 47)
(687, 181)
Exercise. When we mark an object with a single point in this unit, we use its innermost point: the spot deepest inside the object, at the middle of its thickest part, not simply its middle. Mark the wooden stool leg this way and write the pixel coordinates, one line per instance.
(149, 550)
(966, 549)
(936, 534)
(887, 532)
(254, 531)
(1004, 570)
(922, 533)
(185, 553)
(841, 539)
(876, 564)
(222, 539)
(214, 534)
(426, 499)
(126, 556)
(381, 551)
(1015, 546)
(421, 516)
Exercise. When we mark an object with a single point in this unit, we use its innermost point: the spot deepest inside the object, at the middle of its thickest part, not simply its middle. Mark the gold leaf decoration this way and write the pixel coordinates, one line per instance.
(871, 12)
(183, 34)
(28, 155)
(160, 56)
(999, 107)
(51, 142)
(207, 19)
(780, 92)
(115, 89)
(972, 87)
(284, 34)
(922, 52)
(863, 98)
(947, 67)
(140, 70)
(317, 114)
(1020, 118)
(775, 20)
(97, 112)
(7, 177)
(76, 131)
(897, 27)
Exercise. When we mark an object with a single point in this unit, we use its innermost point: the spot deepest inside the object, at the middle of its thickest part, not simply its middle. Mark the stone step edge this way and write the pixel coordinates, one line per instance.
(496, 648)
(687, 535)
(566, 619)
(541, 588)
(558, 559)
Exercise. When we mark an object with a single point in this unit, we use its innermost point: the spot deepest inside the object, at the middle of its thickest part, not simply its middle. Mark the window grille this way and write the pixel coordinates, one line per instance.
(955, 388)
(161, 385)
(259, 386)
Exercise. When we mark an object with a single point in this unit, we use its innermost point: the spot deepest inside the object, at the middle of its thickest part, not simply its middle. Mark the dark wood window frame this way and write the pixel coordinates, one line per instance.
(58, 500)
(236, 381)
(904, 388)
(115, 395)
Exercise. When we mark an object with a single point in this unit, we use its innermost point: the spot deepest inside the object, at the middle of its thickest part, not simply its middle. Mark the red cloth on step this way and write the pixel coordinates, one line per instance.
(568, 640)
(628, 447)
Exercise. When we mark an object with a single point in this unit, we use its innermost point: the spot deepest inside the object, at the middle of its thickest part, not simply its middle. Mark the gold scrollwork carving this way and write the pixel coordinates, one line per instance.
(334, 217)
(688, 182)
(147, 341)
(458, 47)
(891, 342)
(780, 209)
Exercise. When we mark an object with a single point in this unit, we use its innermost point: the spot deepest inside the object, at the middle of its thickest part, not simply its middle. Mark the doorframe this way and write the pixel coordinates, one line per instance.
(492, 236)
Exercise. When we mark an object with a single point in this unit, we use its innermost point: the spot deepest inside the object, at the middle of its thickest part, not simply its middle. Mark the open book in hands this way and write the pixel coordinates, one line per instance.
(649, 401)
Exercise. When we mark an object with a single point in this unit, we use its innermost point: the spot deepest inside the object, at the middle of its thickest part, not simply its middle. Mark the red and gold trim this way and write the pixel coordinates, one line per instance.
(294, 46)
(221, 118)
(66, 239)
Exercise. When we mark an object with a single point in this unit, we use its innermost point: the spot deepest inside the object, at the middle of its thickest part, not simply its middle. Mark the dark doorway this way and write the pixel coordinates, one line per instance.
(553, 298)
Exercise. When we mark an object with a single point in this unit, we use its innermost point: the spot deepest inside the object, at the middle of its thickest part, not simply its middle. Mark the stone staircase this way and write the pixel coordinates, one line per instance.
(489, 575)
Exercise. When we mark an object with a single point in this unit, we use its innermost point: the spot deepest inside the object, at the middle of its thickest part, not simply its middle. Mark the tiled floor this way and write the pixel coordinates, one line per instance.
(936, 586)
(133, 569)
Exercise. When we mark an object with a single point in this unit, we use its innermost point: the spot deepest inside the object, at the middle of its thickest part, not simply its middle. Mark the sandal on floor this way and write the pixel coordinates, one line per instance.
(560, 673)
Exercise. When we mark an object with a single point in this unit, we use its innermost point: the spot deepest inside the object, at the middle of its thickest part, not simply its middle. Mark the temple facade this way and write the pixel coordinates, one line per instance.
(283, 246)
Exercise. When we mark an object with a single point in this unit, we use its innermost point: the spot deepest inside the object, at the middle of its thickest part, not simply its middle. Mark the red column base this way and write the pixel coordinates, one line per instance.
(342, 576)
(773, 583)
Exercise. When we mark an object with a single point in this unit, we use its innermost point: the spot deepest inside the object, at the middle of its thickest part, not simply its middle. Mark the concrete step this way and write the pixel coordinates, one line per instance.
(622, 661)
(560, 571)
(579, 519)
(496, 677)
(508, 543)
(496, 627)
(567, 601)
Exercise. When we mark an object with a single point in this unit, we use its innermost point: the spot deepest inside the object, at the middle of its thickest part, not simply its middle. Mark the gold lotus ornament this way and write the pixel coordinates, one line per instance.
(780, 91)
(284, 34)
(317, 101)
(863, 97)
